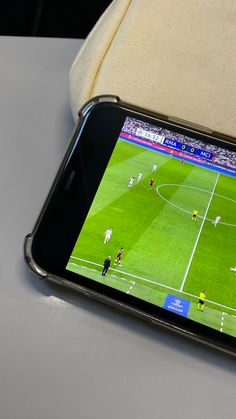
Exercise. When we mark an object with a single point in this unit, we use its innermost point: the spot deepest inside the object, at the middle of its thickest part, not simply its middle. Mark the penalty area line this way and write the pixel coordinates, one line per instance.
(149, 281)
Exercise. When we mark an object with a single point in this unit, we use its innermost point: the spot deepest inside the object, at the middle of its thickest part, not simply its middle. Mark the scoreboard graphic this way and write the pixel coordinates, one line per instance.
(179, 145)
(173, 144)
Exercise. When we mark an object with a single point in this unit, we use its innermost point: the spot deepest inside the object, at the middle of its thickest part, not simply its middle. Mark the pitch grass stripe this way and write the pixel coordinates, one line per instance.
(199, 234)
(119, 171)
(152, 282)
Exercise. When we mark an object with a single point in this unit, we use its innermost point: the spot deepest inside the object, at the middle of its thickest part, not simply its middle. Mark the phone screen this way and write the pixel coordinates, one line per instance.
(162, 225)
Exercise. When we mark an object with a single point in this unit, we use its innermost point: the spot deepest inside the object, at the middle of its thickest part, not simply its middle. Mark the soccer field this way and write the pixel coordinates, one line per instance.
(165, 252)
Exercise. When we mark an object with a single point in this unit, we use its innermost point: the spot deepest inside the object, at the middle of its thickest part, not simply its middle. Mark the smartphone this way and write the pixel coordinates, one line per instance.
(142, 217)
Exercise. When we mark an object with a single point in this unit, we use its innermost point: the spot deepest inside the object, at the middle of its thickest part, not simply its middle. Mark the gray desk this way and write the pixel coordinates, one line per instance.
(61, 355)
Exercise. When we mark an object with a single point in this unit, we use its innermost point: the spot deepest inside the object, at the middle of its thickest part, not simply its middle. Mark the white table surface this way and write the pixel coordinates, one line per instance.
(62, 355)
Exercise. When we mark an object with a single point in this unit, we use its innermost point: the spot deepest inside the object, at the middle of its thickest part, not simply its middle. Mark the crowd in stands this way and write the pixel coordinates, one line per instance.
(221, 156)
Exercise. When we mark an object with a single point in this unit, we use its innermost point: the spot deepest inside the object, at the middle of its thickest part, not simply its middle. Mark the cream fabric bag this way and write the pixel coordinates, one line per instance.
(177, 57)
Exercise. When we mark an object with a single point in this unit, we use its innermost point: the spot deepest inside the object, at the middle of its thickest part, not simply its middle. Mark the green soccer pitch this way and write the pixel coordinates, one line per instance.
(164, 250)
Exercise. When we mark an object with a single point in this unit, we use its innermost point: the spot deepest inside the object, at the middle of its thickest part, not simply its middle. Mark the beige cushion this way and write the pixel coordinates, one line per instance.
(177, 57)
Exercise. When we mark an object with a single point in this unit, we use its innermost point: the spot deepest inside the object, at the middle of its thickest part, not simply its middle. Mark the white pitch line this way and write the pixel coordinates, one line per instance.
(123, 279)
(131, 286)
(187, 211)
(199, 233)
(126, 273)
(222, 321)
(151, 282)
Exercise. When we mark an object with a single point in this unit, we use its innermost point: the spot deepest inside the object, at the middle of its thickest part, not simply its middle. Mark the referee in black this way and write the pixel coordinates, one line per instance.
(106, 265)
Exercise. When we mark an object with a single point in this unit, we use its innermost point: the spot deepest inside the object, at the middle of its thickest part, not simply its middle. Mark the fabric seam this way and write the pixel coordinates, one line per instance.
(107, 49)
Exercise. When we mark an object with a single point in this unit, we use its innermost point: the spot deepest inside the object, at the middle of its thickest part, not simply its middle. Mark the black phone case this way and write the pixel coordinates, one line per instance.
(88, 292)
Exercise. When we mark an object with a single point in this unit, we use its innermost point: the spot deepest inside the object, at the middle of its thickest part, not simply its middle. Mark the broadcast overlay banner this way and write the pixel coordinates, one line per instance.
(180, 150)
(169, 142)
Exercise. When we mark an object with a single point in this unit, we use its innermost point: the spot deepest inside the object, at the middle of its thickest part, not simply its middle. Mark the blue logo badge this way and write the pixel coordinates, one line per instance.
(177, 304)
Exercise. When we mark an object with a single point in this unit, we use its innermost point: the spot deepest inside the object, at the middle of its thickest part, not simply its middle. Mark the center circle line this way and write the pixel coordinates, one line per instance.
(198, 189)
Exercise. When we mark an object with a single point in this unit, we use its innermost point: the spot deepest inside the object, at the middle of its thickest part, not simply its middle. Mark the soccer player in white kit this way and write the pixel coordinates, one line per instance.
(154, 168)
(107, 235)
(131, 182)
(216, 221)
(140, 175)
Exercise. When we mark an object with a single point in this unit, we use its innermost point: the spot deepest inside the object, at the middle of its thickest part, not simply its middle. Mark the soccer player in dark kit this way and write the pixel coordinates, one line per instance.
(106, 265)
(151, 183)
(118, 257)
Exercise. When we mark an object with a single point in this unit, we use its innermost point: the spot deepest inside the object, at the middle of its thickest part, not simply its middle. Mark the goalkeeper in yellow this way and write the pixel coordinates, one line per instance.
(194, 215)
(201, 301)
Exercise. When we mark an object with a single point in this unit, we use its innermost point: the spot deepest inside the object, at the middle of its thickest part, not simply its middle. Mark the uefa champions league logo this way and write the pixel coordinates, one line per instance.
(177, 305)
